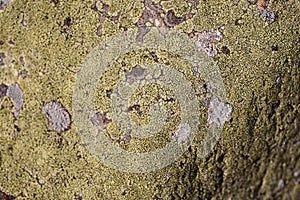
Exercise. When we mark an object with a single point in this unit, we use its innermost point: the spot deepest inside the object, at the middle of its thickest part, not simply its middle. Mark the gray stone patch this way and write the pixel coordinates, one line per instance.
(100, 120)
(136, 73)
(15, 93)
(58, 117)
(268, 15)
(207, 42)
(4, 4)
(219, 112)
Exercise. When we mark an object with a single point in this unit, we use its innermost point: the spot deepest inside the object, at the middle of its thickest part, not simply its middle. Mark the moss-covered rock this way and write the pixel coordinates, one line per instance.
(257, 156)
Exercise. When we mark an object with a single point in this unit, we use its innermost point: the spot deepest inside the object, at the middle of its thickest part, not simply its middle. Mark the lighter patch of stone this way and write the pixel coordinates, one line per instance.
(15, 93)
(207, 42)
(219, 112)
(4, 4)
(182, 133)
(58, 117)
(136, 73)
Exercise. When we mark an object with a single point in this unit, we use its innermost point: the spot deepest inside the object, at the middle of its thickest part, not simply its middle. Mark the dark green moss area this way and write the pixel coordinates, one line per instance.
(257, 156)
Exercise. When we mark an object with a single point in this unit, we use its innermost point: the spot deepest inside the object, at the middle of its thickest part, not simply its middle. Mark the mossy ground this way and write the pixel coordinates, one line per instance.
(259, 147)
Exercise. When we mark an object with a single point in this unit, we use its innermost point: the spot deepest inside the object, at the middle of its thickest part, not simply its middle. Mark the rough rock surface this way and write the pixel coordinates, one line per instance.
(257, 155)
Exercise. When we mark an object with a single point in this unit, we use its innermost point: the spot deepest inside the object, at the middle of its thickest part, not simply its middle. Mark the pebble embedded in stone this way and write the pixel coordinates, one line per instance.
(268, 15)
(280, 184)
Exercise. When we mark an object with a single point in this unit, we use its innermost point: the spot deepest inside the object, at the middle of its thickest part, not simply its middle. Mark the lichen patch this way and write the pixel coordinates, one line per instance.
(58, 117)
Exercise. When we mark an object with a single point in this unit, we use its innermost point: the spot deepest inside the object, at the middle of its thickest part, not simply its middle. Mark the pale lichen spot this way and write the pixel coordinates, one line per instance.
(219, 112)
(182, 133)
(58, 117)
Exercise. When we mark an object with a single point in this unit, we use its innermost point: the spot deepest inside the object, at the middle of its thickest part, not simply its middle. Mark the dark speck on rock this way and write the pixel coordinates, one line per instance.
(68, 21)
(18, 129)
(154, 56)
(123, 64)
(100, 120)
(22, 60)
(3, 90)
(56, 3)
(237, 22)
(109, 93)
(171, 19)
(2, 55)
(11, 42)
(99, 31)
(78, 197)
(275, 48)
(6, 196)
(24, 74)
(226, 50)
